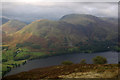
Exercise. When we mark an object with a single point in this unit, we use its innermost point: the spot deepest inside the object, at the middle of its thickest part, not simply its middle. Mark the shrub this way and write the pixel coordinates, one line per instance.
(36, 46)
(67, 63)
(23, 63)
(83, 61)
(99, 60)
(4, 60)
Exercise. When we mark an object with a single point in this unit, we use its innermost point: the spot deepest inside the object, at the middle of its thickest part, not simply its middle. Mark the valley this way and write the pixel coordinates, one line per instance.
(73, 33)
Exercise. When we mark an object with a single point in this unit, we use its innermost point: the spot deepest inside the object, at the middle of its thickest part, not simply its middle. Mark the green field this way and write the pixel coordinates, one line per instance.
(12, 58)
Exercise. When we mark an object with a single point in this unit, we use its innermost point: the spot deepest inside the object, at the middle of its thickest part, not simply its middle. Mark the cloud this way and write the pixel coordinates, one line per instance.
(59, 1)
(55, 10)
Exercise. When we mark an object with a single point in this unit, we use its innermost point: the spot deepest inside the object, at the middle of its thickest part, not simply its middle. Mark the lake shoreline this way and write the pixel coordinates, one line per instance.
(46, 56)
(71, 71)
(57, 56)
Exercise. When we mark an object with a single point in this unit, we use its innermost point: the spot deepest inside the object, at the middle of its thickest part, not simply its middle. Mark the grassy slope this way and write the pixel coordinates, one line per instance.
(11, 59)
(12, 26)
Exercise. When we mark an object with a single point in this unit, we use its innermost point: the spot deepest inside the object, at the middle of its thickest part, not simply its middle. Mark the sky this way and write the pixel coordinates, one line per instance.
(60, 0)
(30, 11)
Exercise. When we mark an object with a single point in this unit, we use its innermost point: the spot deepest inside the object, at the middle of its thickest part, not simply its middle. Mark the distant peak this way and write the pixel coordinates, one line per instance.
(71, 16)
(4, 17)
(80, 15)
(42, 20)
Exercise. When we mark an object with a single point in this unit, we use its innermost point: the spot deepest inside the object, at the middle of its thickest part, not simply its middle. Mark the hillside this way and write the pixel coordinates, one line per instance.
(110, 20)
(3, 20)
(70, 31)
(89, 21)
(82, 19)
(12, 26)
(46, 31)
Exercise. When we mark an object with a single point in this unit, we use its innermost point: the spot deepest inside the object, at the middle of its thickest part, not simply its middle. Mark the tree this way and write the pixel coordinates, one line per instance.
(4, 60)
(83, 61)
(99, 60)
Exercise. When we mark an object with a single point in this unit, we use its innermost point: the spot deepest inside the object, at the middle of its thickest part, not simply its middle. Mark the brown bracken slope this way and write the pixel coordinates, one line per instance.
(69, 71)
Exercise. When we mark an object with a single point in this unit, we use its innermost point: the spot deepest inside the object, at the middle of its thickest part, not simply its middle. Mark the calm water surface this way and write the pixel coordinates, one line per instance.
(112, 58)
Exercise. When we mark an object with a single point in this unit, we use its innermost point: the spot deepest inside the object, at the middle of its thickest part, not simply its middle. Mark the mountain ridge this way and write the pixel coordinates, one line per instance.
(12, 26)
(62, 34)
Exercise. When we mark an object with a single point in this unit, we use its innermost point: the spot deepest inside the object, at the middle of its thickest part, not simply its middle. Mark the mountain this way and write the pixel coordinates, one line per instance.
(76, 31)
(85, 20)
(47, 33)
(82, 19)
(73, 33)
(92, 23)
(12, 26)
(3, 20)
(110, 20)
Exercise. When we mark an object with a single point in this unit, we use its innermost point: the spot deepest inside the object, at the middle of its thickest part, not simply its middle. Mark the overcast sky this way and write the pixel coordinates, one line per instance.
(29, 11)
(59, 0)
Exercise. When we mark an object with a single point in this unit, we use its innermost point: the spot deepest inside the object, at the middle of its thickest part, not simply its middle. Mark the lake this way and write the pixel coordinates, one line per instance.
(112, 58)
